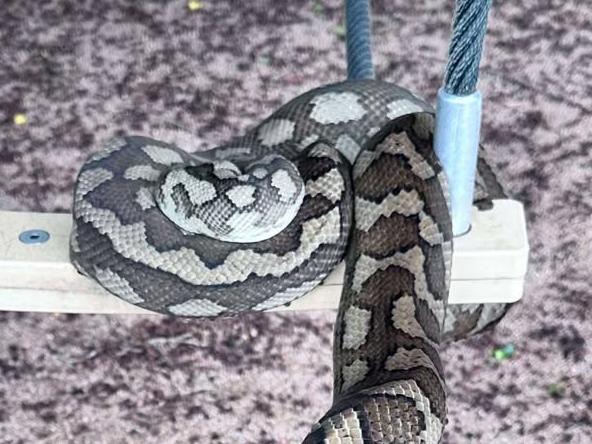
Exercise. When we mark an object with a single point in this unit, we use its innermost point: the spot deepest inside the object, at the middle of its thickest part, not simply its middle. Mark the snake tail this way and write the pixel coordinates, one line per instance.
(388, 380)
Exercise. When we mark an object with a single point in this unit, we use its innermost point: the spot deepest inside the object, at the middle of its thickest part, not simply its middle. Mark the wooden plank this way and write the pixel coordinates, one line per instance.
(489, 265)
(323, 297)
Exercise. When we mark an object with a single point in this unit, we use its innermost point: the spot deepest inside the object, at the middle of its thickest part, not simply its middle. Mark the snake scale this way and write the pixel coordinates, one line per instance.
(262, 219)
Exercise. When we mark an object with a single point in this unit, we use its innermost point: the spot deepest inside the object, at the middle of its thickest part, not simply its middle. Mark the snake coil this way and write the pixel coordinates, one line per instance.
(261, 220)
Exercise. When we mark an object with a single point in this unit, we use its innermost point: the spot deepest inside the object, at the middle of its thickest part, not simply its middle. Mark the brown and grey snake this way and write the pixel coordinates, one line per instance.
(261, 220)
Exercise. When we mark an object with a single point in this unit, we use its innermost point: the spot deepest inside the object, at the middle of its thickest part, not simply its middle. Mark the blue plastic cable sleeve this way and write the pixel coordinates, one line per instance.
(456, 142)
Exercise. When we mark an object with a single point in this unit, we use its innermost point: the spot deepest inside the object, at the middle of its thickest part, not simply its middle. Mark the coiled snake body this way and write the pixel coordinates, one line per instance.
(262, 219)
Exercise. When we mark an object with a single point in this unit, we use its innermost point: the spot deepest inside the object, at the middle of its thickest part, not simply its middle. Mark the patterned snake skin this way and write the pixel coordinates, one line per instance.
(275, 209)
(389, 383)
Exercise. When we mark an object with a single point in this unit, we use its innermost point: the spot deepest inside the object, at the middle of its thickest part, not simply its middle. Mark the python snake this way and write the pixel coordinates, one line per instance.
(261, 220)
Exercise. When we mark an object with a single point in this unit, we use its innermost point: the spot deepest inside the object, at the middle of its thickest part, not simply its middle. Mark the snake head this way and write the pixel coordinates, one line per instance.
(223, 201)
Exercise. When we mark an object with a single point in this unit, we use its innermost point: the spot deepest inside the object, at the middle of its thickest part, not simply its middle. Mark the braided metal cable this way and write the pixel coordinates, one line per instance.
(358, 40)
(466, 46)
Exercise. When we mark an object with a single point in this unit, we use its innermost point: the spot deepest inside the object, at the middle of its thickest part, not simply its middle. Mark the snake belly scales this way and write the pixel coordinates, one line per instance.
(348, 166)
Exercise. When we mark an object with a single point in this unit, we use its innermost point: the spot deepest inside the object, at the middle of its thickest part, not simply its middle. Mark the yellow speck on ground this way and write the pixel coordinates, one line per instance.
(20, 119)
(194, 5)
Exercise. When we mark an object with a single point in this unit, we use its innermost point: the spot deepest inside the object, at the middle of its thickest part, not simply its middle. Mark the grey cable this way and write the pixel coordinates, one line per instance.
(466, 46)
(358, 40)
